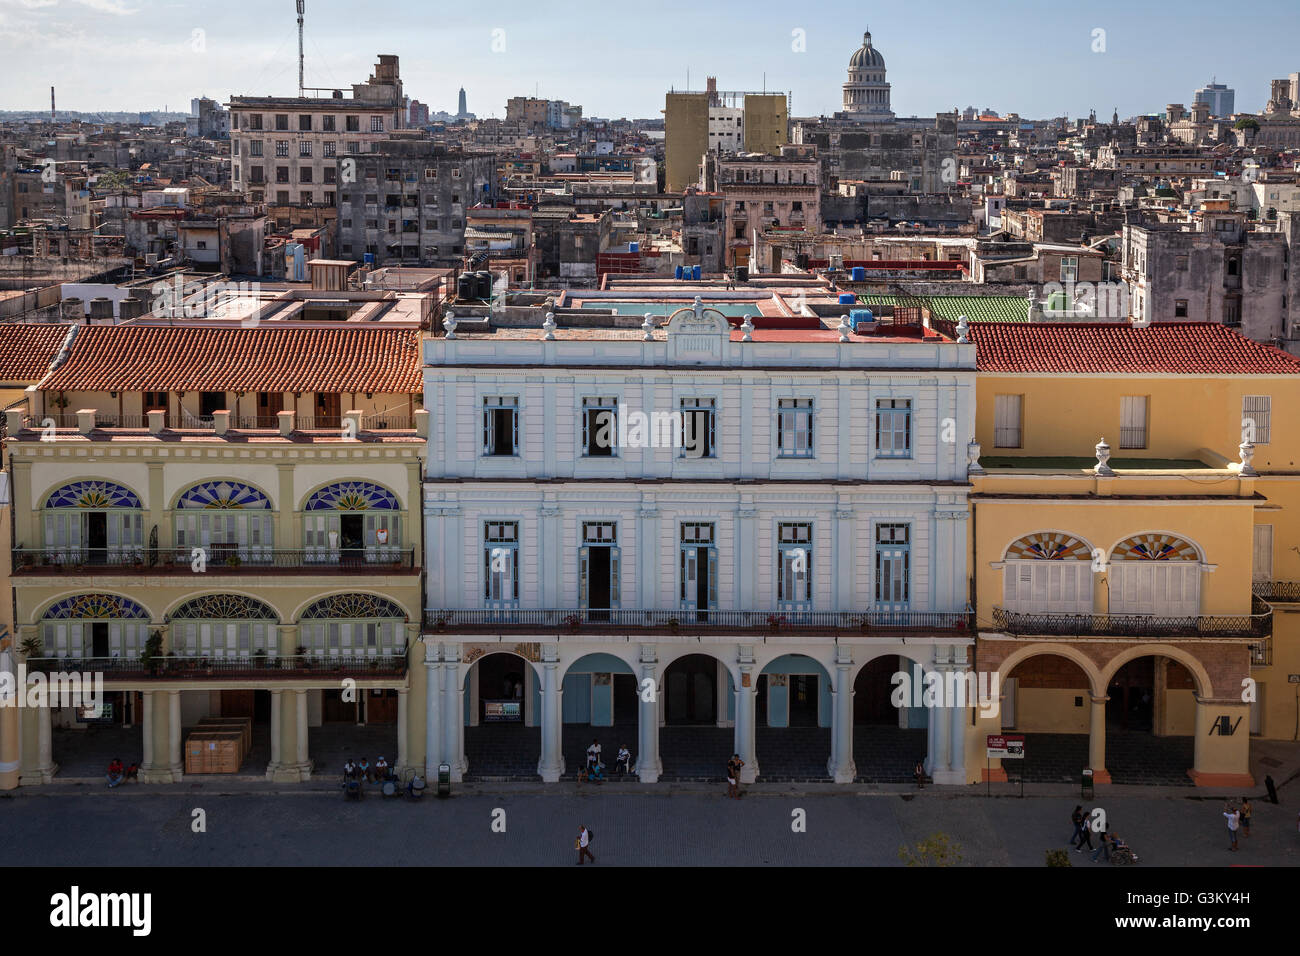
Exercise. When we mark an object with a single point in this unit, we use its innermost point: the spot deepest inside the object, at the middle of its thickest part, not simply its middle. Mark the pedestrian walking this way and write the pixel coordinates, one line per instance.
(733, 775)
(919, 773)
(583, 845)
(1234, 820)
(1076, 819)
(1107, 841)
(1245, 812)
(1085, 831)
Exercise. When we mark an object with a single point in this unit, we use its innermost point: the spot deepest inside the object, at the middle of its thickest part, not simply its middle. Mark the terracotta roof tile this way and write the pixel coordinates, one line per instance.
(26, 351)
(163, 358)
(1075, 348)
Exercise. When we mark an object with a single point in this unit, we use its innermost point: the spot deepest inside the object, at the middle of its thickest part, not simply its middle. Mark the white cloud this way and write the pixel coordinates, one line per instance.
(114, 7)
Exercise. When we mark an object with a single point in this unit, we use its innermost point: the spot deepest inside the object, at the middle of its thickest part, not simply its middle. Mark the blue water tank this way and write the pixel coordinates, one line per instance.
(677, 272)
(695, 273)
(634, 247)
(847, 298)
(859, 274)
(369, 258)
(859, 318)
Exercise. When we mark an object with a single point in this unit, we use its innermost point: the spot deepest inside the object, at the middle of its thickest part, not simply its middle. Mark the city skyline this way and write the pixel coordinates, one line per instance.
(180, 51)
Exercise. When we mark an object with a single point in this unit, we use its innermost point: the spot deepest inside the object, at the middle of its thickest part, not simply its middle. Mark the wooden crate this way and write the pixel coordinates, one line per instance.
(221, 751)
(196, 756)
(243, 724)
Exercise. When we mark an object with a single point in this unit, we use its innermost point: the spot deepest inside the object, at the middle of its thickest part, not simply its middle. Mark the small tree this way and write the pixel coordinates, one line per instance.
(1246, 122)
(938, 849)
(1058, 858)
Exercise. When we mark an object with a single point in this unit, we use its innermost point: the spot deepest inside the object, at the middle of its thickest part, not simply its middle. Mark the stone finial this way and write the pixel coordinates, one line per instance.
(844, 328)
(648, 327)
(449, 325)
(548, 327)
(1103, 456)
(747, 327)
(699, 307)
(1246, 452)
(973, 451)
(963, 330)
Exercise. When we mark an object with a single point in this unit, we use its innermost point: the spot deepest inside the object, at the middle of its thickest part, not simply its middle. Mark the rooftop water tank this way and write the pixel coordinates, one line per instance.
(847, 298)
(859, 274)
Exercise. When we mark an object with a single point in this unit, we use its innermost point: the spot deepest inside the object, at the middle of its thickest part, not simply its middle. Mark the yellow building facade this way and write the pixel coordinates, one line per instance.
(1130, 525)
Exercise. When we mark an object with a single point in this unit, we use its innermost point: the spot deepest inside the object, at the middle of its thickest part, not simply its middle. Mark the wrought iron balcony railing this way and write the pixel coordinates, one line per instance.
(578, 619)
(216, 559)
(249, 667)
(1281, 592)
(1257, 624)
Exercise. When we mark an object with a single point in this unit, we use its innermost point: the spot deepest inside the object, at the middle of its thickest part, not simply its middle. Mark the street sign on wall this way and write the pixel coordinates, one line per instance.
(1006, 746)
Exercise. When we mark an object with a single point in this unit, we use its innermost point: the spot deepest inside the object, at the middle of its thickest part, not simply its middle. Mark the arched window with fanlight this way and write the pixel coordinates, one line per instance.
(353, 625)
(225, 518)
(1157, 574)
(1048, 572)
(93, 522)
(352, 521)
(224, 625)
(94, 626)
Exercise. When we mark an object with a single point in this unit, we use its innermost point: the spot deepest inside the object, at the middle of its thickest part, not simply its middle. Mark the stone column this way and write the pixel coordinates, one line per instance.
(433, 677)
(403, 703)
(46, 767)
(957, 743)
(177, 765)
(551, 764)
(1097, 739)
(10, 741)
(745, 718)
(842, 768)
(648, 765)
(277, 697)
(453, 714)
(300, 727)
(147, 728)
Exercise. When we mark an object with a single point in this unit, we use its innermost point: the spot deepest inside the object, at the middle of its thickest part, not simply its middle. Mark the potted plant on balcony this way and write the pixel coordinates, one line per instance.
(233, 561)
(673, 624)
(31, 647)
(149, 657)
(865, 622)
(572, 621)
(440, 622)
(259, 659)
(775, 621)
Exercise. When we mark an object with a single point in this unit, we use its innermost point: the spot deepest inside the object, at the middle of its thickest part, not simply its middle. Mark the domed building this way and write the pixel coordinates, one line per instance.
(866, 94)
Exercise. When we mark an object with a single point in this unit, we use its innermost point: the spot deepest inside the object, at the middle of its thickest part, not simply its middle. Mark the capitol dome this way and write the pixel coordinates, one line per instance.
(867, 57)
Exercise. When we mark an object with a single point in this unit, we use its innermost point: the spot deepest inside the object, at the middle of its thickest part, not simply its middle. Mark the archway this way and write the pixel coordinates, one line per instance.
(502, 713)
(600, 703)
(697, 713)
(1048, 698)
(890, 721)
(93, 522)
(793, 719)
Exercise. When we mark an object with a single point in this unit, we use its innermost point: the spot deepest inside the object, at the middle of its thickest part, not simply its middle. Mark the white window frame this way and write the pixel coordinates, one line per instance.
(1008, 421)
(794, 428)
(1259, 410)
(1133, 419)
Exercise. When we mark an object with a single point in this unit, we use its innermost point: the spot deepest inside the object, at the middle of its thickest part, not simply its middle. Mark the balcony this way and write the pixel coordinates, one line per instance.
(218, 559)
(638, 621)
(1258, 624)
(251, 667)
(1278, 592)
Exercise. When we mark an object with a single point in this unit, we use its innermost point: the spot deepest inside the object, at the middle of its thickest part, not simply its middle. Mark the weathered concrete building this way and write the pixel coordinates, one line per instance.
(408, 201)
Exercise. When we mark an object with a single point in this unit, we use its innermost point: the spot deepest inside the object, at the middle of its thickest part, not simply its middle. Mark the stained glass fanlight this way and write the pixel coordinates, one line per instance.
(353, 496)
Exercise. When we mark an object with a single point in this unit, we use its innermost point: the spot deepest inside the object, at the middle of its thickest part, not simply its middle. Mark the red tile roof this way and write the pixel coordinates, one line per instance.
(163, 358)
(26, 351)
(1072, 348)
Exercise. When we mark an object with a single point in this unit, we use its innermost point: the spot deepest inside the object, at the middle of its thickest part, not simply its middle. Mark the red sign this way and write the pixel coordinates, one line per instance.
(1006, 746)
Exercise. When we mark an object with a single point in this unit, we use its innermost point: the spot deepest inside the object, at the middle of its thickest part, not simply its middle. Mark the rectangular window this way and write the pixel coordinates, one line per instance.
(1069, 268)
(698, 569)
(304, 174)
(281, 147)
(794, 566)
(255, 147)
(598, 569)
(794, 431)
(431, 172)
(1180, 308)
(1256, 410)
(1006, 421)
(282, 174)
(600, 426)
(329, 149)
(501, 563)
(254, 120)
(698, 432)
(376, 124)
(353, 124)
(282, 121)
(500, 425)
(894, 428)
(1263, 564)
(893, 566)
(304, 148)
(1133, 421)
(327, 122)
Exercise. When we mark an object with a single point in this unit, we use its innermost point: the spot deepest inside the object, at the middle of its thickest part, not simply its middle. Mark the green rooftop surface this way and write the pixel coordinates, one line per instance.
(1120, 464)
(976, 308)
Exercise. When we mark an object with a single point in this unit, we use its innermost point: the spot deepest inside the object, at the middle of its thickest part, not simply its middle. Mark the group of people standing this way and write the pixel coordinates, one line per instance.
(362, 770)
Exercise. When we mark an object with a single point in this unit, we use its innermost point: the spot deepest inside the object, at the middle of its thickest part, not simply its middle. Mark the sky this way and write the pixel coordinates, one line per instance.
(1040, 58)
